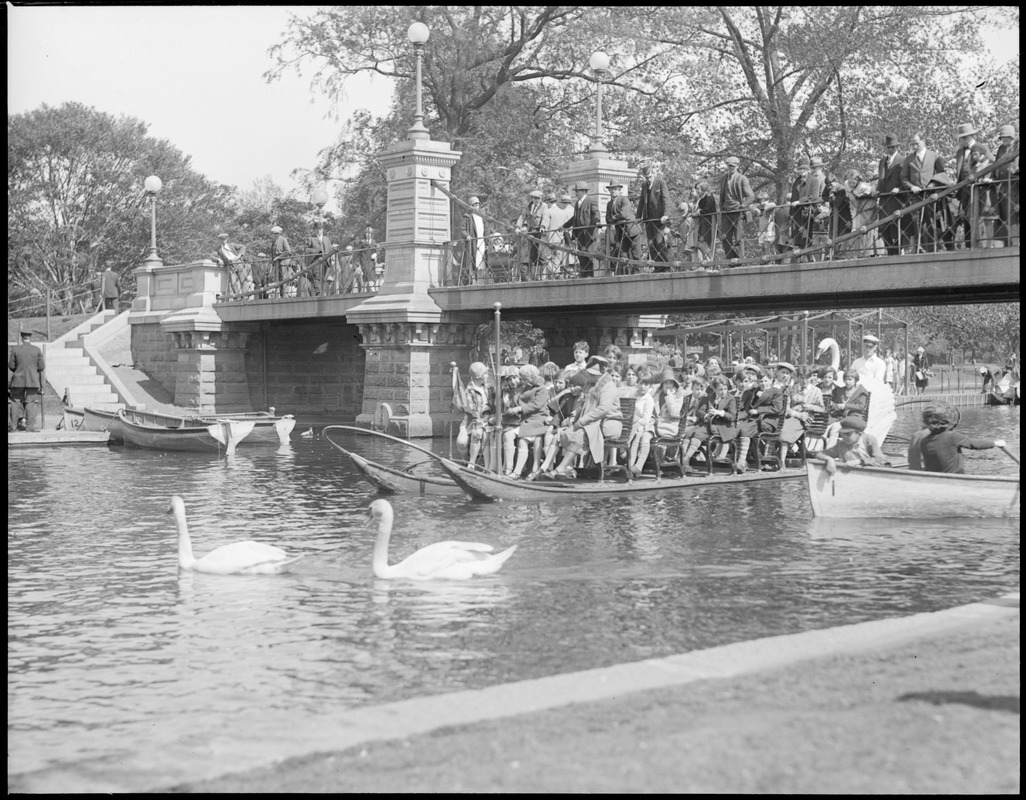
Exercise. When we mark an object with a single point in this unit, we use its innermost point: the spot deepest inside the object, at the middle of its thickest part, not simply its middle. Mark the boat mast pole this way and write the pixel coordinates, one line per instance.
(497, 443)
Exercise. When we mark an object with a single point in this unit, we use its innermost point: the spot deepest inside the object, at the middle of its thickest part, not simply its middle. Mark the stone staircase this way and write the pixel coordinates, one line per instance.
(74, 365)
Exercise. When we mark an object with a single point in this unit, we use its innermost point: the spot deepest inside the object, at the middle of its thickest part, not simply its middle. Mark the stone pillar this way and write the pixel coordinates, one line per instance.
(211, 371)
(407, 387)
(408, 340)
(597, 173)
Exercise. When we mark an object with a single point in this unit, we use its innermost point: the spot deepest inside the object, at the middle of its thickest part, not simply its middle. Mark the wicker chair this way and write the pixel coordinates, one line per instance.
(813, 438)
(620, 443)
(713, 446)
(673, 447)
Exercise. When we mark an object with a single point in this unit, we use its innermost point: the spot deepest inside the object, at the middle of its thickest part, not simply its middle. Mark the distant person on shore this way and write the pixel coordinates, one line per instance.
(938, 447)
(110, 288)
(26, 384)
(921, 370)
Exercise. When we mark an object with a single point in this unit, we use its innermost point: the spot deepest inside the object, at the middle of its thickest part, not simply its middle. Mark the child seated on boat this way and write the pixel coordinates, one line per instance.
(853, 399)
(643, 424)
(855, 447)
(510, 423)
(717, 419)
(765, 414)
(571, 441)
(937, 447)
(806, 401)
(532, 407)
(560, 411)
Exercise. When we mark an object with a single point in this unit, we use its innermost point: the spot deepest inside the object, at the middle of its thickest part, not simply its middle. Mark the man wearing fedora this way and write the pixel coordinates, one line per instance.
(624, 229)
(888, 187)
(1007, 177)
(553, 221)
(472, 260)
(797, 220)
(963, 170)
(654, 204)
(529, 226)
(584, 226)
(282, 264)
(318, 255)
(813, 194)
(918, 169)
(26, 385)
(736, 196)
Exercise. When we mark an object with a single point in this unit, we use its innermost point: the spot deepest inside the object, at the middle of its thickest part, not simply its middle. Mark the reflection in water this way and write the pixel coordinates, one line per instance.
(111, 650)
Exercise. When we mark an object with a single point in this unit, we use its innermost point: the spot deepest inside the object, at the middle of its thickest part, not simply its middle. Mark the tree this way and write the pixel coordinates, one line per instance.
(76, 199)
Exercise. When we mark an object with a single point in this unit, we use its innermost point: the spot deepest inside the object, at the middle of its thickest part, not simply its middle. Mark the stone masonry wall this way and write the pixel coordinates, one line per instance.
(314, 368)
(153, 351)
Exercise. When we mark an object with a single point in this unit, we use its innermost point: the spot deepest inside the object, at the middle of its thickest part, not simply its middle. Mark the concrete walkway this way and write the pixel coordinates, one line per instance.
(219, 753)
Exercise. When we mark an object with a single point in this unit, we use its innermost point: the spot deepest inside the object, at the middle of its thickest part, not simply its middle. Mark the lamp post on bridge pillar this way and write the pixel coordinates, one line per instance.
(153, 185)
(599, 63)
(418, 34)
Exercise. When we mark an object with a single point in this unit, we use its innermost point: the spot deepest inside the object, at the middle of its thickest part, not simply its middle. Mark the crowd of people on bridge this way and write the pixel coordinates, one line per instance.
(316, 268)
(544, 421)
(824, 215)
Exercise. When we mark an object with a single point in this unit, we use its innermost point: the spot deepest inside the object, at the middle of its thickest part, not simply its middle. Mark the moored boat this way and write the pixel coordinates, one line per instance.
(219, 436)
(882, 492)
(405, 481)
(266, 426)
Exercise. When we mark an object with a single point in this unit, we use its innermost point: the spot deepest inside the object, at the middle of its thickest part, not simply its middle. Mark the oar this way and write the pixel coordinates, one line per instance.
(1011, 455)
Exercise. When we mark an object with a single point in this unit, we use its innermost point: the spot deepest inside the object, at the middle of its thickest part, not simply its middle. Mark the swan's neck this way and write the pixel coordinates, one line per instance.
(186, 559)
(380, 563)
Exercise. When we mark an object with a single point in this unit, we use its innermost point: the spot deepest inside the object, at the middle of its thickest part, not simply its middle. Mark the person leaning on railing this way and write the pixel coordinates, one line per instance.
(1007, 177)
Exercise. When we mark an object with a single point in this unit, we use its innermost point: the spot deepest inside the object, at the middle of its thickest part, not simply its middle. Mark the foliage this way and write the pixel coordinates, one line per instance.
(76, 200)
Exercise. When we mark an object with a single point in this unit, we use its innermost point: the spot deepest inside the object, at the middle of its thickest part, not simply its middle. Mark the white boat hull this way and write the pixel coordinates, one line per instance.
(863, 492)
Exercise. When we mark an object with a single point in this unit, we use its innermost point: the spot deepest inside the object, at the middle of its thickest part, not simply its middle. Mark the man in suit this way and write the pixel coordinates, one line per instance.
(232, 258)
(1007, 178)
(529, 226)
(473, 260)
(26, 385)
(583, 227)
(318, 254)
(625, 230)
(916, 174)
(654, 204)
(110, 288)
(888, 186)
(282, 265)
(963, 168)
(810, 201)
(736, 196)
(798, 228)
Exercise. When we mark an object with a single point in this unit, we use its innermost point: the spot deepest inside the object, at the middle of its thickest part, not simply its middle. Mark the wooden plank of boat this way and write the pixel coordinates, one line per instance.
(489, 486)
(220, 437)
(51, 438)
(395, 481)
(905, 494)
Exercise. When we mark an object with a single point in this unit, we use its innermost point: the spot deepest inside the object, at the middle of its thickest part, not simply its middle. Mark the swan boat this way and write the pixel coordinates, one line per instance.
(267, 427)
(879, 492)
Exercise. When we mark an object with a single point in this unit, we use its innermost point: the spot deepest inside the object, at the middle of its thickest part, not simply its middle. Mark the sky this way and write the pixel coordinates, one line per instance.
(194, 74)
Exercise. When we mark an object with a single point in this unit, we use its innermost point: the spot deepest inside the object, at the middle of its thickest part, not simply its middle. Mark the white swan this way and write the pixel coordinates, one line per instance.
(439, 561)
(881, 415)
(240, 558)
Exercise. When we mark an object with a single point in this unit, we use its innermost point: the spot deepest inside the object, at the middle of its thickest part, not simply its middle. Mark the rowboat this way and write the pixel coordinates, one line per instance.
(489, 486)
(405, 481)
(267, 427)
(904, 494)
(219, 436)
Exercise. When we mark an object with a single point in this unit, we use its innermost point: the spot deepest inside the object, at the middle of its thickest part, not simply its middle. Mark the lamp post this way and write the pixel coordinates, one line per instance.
(153, 185)
(418, 34)
(599, 63)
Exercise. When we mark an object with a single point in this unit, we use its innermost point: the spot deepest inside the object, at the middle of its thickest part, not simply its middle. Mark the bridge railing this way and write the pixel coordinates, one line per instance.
(850, 222)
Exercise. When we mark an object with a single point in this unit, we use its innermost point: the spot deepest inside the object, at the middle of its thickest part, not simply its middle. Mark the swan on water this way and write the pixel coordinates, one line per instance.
(439, 561)
(240, 558)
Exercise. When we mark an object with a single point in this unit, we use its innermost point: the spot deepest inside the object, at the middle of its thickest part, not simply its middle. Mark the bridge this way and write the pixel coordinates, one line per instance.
(384, 356)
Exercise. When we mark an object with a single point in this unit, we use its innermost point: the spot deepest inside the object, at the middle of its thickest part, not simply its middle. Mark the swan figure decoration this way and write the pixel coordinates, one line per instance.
(240, 558)
(439, 561)
(882, 414)
(835, 358)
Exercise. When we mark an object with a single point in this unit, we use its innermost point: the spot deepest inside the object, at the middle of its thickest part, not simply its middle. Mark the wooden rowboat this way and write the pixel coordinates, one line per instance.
(489, 486)
(266, 428)
(903, 494)
(216, 437)
(394, 481)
